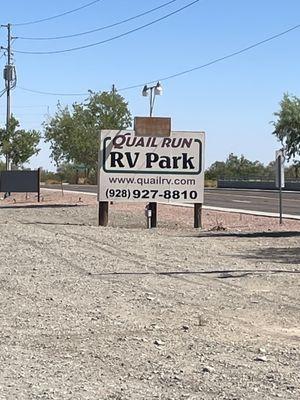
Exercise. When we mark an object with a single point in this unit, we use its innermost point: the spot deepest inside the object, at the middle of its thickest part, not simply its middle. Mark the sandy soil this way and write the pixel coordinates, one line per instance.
(128, 313)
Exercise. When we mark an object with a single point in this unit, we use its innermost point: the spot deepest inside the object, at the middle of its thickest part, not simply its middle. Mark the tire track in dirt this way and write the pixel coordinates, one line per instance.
(114, 252)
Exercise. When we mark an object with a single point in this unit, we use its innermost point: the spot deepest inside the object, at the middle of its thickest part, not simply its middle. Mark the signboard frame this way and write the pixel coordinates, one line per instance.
(279, 162)
(190, 166)
(168, 163)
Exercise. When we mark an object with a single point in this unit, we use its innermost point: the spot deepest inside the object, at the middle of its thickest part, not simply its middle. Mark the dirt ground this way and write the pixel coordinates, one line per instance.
(123, 312)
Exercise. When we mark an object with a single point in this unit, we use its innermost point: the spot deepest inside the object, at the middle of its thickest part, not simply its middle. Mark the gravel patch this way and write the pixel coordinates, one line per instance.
(123, 312)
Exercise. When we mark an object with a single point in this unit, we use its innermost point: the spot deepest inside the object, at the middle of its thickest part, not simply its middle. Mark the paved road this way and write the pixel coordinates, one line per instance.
(253, 200)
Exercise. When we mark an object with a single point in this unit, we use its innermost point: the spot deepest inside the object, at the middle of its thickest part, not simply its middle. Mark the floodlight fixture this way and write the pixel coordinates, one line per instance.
(155, 90)
(145, 91)
(158, 89)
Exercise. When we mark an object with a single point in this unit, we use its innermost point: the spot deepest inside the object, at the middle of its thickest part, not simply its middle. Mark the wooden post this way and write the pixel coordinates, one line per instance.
(154, 127)
(153, 208)
(39, 184)
(103, 213)
(198, 215)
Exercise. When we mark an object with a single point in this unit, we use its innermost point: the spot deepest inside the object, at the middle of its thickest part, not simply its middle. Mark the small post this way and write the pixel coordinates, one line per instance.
(198, 215)
(153, 208)
(148, 214)
(103, 213)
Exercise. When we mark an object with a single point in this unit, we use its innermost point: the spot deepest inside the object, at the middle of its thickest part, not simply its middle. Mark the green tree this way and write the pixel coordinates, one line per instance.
(293, 171)
(287, 126)
(47, 176)
(74, 133)
(18, 144)
(269, 170)
(235, 167)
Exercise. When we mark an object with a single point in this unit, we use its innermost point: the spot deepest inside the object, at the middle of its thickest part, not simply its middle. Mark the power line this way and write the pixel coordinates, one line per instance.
(112, 38)
(23, 114)
(215, 61)
(2, 92)
(100, 28)
(57, 15)
(51, 93)
(33, 106)
(2, 49)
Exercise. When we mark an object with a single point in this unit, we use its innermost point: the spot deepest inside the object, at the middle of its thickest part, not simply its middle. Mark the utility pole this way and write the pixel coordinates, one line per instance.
(10, 82)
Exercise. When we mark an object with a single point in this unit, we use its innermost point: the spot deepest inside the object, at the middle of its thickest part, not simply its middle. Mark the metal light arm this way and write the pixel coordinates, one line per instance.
(155, 90)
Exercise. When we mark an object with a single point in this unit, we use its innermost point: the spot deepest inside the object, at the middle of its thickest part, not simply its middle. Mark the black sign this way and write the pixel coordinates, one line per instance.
(20, 181)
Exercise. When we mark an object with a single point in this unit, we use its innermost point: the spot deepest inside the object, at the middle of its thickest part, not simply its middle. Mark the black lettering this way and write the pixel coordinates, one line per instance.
(153, 143)
(175, 161)
(115, 158)
(165, 162)
(176, 143)
(119, 141)
(140, 142)
(132, 160)
(166, 142)
(132, 143)
(150, 159)
(187, 162)
(187, 142)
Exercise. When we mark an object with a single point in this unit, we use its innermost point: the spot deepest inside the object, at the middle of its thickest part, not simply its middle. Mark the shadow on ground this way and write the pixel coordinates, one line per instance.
(56, 223)
(285, 255)
(38, 205)
(264, 234)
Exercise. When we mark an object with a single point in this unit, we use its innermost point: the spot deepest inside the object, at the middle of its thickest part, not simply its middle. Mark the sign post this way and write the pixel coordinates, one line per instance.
(39, 184)
(279, 156)
(151, 169)
(198, 215)
(152, 127)
(103, 213)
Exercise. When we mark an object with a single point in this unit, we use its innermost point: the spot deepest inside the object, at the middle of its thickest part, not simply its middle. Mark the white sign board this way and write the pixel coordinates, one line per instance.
(151, 169)
(279, 165)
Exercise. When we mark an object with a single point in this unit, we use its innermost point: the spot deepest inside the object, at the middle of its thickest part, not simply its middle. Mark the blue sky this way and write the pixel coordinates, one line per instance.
(232, 101)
